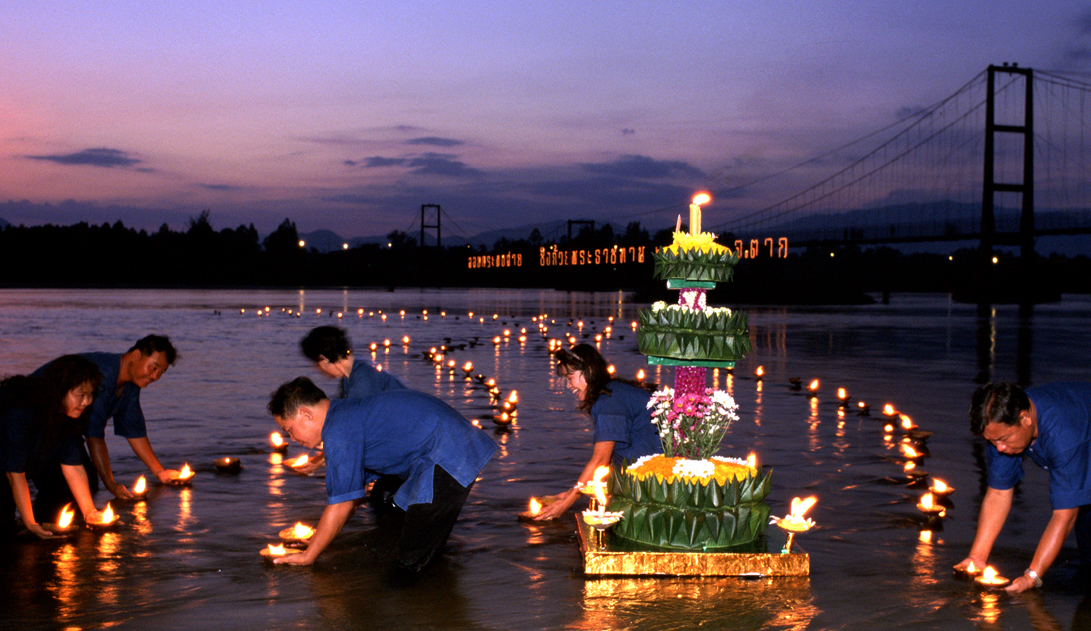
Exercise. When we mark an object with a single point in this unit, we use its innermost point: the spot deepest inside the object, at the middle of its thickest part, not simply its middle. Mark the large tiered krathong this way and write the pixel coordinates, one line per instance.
(688, 499)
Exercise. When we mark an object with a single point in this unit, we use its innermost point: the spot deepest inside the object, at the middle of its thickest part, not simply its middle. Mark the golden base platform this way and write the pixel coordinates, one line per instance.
(603, 555)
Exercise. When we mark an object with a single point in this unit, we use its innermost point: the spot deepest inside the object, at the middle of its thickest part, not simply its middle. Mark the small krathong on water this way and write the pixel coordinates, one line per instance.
(280, 445)
(64, 523)
(296, 463)
(108, 519)
(928, 506)
(968, 572)
(184, 477)
(991, 579)
(140, 488)
(795, 521)
(940, 488)
(228, 464)
(272, 551)
(299, 533)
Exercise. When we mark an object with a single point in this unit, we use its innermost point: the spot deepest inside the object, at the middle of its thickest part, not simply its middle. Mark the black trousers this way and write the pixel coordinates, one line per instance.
(428, 526)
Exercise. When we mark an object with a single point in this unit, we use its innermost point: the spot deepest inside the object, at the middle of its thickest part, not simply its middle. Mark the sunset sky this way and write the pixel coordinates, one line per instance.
(350, 115)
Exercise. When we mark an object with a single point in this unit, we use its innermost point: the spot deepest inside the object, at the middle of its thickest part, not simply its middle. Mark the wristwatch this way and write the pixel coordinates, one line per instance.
(1034, 575)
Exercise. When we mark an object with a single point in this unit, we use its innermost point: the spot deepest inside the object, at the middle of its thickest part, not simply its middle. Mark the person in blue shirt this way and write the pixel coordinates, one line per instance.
(40, 423)
(1052, 425)
(623, 427)
(330, 349)
(402, 433)
(118, 397)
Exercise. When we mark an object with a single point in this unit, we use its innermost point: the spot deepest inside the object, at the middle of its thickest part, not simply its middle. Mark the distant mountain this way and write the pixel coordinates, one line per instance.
(3, 223)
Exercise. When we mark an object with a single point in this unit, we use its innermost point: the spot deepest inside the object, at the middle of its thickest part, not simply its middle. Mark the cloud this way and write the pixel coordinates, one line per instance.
(628, 132)
(376, 161)
(441, 164)
(643, 167)
(223, 188)
(97, 157)
(435, 141)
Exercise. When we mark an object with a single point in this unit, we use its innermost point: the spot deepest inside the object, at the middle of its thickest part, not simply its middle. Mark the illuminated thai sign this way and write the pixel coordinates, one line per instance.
(484, 261)
(600, 256)
(756, 247)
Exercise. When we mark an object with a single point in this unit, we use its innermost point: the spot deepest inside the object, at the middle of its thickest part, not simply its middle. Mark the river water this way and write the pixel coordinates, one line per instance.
(187, 558)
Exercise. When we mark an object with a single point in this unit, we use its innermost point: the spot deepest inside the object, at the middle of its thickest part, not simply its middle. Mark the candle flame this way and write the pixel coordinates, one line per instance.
(907, 423)
(600, 485)
(640, 375)
(927, 502)
(535, 506)
(800, 507)
(302, 531)
(276, 439)
(701, 198)
(67, 515)
(889, 410)
(108, 514)
(909, 451)
(140, 486)
(468, 367)
(989, 575)
(186, 472)
(513, 398)
(842, 394)
(813, 386)
(752, 460)
(299, 462)
(760, 372)
(972, 569)
(939, 486)
(276, 550)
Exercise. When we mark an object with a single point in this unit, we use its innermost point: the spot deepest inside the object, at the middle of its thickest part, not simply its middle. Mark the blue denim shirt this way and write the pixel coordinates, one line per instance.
(623, 417)
(403, 433)
(1063, 445)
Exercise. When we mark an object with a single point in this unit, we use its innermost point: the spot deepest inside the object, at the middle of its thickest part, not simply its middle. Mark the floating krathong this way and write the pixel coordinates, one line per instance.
(940, 488)
(64, 525)
(968, 572)
(184, 477)
(280, 445)
(990, 579)
(928, 506)
(299, 533)
(296, 463)
(109, 519)
(273, 551)
(140, 488)
(534, 507)
(228, 464)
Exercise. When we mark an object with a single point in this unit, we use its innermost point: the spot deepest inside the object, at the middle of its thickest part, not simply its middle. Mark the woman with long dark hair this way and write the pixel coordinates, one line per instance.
(623, 428)
(41, 423)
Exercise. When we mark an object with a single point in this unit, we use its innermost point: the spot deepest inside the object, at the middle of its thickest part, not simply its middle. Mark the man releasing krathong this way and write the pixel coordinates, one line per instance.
(118, 397)
(1052, 425)
(402, 433)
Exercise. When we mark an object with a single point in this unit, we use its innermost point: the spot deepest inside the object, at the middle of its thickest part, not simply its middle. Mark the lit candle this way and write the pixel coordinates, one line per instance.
(140, 487)
(184, 476)
(298, 533)
(279, 444)
(928, 506)
(695, 212)
(228, 465)
(107, 520)
(273, 551)
(991, 579)
(940, 488)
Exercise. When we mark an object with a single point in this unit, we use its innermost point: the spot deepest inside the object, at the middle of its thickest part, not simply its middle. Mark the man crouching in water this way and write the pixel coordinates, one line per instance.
(402, 433)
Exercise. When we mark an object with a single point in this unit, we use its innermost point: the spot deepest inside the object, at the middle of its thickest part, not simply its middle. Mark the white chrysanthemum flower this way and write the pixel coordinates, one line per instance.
(641, 460)
(693, 468)
(738, 461)
(658, 305)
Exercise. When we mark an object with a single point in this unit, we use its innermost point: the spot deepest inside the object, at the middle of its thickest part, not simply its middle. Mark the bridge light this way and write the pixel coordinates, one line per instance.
(995, 260)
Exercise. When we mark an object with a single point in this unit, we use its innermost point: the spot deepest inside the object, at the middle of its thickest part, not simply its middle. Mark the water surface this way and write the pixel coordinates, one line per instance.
(188, 558)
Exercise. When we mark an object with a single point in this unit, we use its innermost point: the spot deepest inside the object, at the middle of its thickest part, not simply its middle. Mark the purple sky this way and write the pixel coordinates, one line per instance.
(350, 115)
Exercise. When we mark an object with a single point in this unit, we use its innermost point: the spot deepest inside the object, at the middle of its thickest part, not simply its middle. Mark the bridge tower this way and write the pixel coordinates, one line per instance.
(430, 212)
(1025, 189)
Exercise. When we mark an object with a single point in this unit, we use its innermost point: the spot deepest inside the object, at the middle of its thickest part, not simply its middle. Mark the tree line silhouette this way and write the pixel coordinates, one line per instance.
(113, 255)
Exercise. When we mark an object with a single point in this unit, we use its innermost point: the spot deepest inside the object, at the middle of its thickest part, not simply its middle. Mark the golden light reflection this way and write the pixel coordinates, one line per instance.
(65, 586)
(185, 508)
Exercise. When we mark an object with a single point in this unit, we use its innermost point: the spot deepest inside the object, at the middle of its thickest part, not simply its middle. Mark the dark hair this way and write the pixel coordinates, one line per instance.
(150, 344)
(589, 361)
(45, 395)
(1000, 402)
(287, 399)
(326, 341)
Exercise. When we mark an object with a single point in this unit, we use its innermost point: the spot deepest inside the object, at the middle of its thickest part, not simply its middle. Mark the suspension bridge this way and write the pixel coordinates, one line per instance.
(1001, 162)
